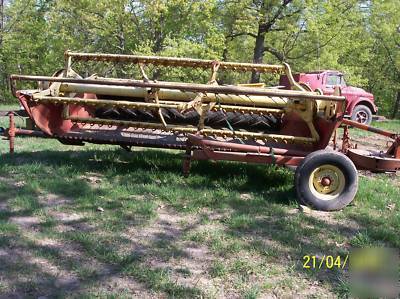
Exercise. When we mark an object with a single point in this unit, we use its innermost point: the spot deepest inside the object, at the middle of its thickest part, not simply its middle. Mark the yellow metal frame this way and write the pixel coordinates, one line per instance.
(335, 177)
(245, 98)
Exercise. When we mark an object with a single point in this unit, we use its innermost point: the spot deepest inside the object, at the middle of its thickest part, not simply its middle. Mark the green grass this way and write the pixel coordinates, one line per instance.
(229, 229)
(390, 125)
(12, 106)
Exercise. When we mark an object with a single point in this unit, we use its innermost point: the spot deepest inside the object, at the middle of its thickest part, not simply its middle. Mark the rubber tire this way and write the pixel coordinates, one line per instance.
(306, 168)
(364, 108)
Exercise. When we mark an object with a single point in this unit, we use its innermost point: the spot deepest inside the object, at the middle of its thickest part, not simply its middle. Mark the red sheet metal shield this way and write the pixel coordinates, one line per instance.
(374, 161)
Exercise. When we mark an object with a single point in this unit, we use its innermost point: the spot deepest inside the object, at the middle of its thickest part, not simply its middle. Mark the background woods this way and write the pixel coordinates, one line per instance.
(361, 38)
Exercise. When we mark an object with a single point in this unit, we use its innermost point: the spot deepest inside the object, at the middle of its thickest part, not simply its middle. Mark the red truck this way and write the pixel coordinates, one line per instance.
(360, 104)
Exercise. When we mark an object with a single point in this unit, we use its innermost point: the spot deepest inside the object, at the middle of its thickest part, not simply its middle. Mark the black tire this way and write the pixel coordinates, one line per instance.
(362, 114)
(335, 169)
(214, 119)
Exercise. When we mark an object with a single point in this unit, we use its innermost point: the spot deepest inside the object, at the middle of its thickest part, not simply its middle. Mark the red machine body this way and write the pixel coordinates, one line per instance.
(327, 80)
(245, 122)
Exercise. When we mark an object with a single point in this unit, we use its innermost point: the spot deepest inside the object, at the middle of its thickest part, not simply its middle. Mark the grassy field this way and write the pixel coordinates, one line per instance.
(96, 221)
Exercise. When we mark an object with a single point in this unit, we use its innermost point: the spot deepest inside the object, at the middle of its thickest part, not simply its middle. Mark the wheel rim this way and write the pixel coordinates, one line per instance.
(362, 117)
(327, 182)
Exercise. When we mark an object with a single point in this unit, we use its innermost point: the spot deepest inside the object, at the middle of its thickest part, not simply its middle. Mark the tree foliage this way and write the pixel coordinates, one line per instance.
(360, 38)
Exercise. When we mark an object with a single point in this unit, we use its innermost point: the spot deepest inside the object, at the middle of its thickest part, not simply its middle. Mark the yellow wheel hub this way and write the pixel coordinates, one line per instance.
(327, 182)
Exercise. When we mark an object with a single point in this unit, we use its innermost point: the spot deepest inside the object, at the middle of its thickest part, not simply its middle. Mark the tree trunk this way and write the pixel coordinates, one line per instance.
(258, 53)
(396, 105)
(158, 45)
(1, 21)
(3, 76)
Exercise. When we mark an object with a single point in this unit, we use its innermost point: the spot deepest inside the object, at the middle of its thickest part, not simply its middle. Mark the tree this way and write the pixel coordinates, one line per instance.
(309, 34)
(1, 21)
(2, 76)
(385, 48)
(258, 19)
(293, 30)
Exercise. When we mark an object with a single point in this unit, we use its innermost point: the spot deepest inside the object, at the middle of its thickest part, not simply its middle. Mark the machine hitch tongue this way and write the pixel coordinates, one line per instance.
(236, 122)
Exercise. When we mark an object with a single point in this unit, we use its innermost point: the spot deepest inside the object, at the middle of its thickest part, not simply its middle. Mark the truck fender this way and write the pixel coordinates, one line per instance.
(363, 101)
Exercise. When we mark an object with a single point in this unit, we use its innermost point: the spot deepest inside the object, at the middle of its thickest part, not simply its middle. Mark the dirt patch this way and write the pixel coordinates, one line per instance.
(66, 217)
(26, 222)
(162, 246)
(119, 284)
(70, 221)
(369, 142)
(12, 182)
(372, 142)
(3, 206)
(51, 200)
(92, 178)
(393, 176)
(48, 266)
(27, 274)
(52, 267)
(165, 226)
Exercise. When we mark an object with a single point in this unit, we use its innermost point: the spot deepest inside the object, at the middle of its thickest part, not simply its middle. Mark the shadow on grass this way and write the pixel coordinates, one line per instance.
(263, 216)
(151, 164)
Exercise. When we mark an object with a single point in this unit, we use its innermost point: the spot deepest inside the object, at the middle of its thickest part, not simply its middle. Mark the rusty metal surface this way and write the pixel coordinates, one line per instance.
(284, 117)
(346, 140)
(189, 129)
(246, 157)
(10, 132)
(394, 149)
(203, 142)
(20, 112)
(193, 87)
(364, 127)
(145, 105)
(202, 148)
(260, 125)
(30, 133)
(129, 137)
(175, 61)
(373, 160)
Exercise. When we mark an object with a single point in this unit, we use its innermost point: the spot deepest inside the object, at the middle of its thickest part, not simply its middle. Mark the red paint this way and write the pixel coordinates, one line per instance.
(326, 181)
(369, 128)
(374, 161)
(325, 81)
(208, 154)
(221, 145)
(11, 132)
(48, 117)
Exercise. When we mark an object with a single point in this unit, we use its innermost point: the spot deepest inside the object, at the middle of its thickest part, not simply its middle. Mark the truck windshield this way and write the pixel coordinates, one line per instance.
(335, 79)
(342, 81)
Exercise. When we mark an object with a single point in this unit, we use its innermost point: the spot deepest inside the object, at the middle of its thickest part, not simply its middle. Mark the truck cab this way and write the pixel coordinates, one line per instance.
(360, 103)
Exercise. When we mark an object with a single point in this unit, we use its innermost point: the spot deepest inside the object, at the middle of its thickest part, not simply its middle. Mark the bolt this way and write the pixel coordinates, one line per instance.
(326, 181)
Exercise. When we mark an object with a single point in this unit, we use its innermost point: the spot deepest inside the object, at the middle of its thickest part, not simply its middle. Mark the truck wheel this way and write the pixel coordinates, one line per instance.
(362, 114)
(326, 181)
